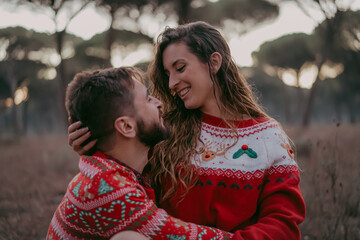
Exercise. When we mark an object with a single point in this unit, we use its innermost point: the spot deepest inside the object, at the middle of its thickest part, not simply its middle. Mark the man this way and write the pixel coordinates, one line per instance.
(109, 195)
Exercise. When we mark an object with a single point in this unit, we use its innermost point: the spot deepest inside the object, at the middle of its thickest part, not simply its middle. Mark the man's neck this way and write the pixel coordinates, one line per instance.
(134, 155)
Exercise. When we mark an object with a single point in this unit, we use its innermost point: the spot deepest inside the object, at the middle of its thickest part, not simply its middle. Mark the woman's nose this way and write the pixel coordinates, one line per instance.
(173, 81)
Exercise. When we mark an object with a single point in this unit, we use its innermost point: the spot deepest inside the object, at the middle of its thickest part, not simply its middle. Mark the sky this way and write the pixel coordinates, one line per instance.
(90, 21)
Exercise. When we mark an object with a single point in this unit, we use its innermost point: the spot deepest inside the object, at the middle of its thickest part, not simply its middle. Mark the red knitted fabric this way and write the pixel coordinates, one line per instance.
(250, 189)
(106, 198)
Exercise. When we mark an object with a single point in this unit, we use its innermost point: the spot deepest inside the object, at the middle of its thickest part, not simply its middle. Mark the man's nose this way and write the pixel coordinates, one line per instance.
(157, 102)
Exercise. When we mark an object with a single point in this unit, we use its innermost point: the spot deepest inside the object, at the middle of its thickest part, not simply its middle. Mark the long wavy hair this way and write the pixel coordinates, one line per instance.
(170, 163)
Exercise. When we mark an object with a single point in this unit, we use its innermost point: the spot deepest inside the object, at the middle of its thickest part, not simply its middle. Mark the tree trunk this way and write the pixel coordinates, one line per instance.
(12, 80)
(110, 37)
(310, 102)
(300, 96)
(61, 78)
(183, 10)
(307, 113)
(15, 122)
(337, 112)
(25, 118)
(287, 108)
(350, 106)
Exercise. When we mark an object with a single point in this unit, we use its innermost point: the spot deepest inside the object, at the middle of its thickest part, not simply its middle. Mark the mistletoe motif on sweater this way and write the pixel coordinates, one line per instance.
(248, 181)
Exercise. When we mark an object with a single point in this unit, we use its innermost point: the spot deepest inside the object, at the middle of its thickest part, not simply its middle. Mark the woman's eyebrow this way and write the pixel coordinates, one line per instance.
(176, 61)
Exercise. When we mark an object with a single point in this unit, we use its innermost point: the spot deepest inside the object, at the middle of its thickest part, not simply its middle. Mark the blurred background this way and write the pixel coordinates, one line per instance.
(302, 58)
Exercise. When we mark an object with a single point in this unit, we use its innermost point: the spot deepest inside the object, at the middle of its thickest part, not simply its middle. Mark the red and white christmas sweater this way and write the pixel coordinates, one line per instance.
(250, 189)
(106, 197)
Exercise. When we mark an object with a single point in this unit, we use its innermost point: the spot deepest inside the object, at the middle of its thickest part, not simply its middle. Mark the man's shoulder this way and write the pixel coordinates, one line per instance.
(93, 200)
(100, 178)
(99, 164)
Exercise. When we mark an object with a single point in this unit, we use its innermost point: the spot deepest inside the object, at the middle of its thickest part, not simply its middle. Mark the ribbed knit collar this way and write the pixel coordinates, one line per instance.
(218, 122)
(138, 175)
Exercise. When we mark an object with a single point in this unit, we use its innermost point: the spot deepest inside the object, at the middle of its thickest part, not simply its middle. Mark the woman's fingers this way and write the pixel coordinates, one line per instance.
(84, 150)
(88, 146)
(74, 126)
(79, 137)
(78, 134)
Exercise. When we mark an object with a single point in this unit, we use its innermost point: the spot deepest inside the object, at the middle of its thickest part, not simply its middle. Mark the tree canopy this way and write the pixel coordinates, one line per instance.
(31, 59)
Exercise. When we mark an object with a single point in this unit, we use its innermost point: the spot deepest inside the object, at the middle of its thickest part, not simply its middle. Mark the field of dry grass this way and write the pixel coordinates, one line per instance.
(329, 157)
(36, 170)
(34, 175)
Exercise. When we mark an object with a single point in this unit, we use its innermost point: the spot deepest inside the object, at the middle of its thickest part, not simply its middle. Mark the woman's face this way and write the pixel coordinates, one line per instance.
(189, 78)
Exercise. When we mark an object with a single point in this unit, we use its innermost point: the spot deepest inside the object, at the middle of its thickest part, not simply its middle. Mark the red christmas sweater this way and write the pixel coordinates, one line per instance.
(250, 189)
(106, 198)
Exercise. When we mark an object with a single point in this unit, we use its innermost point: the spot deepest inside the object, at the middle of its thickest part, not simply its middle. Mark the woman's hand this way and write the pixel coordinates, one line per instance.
(77, 136)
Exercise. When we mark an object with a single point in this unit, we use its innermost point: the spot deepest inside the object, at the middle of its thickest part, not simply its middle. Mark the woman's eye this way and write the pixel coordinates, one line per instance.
(180, 69)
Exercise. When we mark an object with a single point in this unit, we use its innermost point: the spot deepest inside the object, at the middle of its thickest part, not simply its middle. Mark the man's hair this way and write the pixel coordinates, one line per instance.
(97, 98)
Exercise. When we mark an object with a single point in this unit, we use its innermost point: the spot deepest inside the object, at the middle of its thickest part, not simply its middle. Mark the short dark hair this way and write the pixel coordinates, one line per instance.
(97, 98)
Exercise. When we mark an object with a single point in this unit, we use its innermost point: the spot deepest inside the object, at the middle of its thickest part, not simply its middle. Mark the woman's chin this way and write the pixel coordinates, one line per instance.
(190, 106)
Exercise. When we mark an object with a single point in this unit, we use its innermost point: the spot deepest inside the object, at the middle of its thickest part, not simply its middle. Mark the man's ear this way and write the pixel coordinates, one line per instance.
(215, 60)
(126, 126)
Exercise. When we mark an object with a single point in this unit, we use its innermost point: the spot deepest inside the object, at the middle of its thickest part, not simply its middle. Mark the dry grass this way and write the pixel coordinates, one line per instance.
(329, 157)
(34, 174)
(36, 170)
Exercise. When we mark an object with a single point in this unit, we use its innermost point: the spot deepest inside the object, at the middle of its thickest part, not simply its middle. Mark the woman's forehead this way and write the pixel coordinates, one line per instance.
(175, 52)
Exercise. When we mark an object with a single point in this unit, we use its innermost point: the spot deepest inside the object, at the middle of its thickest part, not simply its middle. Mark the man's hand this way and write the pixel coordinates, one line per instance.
(128, 235)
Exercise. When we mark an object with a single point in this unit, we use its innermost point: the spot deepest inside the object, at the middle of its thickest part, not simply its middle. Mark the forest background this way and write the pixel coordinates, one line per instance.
(308, 81)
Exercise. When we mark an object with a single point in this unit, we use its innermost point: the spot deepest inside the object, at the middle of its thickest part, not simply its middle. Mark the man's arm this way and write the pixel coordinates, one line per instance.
(131, 209)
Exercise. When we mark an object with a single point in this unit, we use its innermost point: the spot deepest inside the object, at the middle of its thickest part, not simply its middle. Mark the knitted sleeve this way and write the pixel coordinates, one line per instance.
(281, 206)
(155, 223)
(131, 208)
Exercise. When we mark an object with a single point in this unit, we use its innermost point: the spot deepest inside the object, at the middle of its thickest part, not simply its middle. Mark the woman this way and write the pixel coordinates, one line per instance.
(227, 164)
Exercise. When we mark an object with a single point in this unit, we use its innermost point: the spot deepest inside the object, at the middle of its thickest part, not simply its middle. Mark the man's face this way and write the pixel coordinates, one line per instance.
(150, 124)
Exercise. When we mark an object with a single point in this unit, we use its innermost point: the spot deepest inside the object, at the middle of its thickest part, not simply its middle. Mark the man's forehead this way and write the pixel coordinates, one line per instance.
(139, 86)
(138, 78)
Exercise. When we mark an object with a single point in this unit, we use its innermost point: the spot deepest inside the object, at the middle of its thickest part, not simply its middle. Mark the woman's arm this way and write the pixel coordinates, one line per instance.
(281, 207)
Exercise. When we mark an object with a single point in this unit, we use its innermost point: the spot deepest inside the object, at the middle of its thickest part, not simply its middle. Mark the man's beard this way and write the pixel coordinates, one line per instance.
(152, 134)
